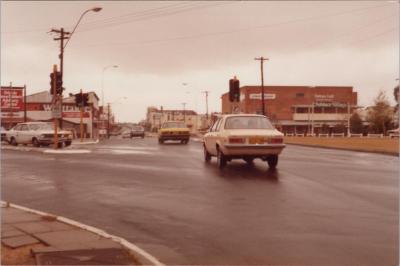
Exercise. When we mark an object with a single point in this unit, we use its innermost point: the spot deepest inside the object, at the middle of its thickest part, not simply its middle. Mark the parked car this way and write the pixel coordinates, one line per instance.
(173, 130)
(394, 133)
(37, 134)
(3, 132)
(243, 136)
(126, 134)
(137, 131)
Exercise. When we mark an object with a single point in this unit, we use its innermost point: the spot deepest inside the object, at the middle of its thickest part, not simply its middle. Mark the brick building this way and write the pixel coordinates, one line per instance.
(298, 109)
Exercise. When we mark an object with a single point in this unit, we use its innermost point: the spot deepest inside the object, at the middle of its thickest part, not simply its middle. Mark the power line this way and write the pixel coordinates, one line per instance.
(249, 28)
(312, 44)
(240, 30)
(149, 16)
(110, 19)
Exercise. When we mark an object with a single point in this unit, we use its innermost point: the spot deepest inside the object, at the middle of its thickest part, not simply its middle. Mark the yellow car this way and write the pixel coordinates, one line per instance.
(173, 130)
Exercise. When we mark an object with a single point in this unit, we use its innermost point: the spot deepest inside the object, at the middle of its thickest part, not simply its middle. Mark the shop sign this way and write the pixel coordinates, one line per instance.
(324, 97)
(12, 99)
(328, 104)
(257, 96)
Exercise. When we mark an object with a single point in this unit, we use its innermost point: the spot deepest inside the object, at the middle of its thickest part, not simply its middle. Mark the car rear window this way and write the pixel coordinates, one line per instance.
(174, 125)
(248, 122)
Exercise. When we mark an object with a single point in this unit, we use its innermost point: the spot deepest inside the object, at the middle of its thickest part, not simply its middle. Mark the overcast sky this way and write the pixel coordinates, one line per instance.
(159, 46)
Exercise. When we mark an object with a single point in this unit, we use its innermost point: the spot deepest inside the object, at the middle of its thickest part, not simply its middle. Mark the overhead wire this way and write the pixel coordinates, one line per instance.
(153, 15)
(345, 34)
(241, 29)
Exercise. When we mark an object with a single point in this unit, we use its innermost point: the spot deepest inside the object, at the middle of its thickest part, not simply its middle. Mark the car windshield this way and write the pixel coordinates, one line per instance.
(137, 128)
(248, 122)
(41, 127)
(174, 125)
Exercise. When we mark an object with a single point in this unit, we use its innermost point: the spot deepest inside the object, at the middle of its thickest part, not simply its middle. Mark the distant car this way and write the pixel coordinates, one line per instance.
(126, 134)
(394, 133)
(37, 134)
(173, 130)
(137, 131)
(3, 132)
(243, 136)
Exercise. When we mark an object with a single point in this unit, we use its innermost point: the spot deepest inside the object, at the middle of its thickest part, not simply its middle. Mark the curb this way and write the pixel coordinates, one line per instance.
(87, 142)
(345, 149)
(143, 257)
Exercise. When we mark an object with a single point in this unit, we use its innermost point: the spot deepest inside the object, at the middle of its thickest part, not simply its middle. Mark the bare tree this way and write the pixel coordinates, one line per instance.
(380, 115)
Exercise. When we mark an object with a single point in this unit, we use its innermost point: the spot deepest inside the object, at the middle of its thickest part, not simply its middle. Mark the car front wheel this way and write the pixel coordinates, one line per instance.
(207, 155)
(273, 161)
(13, 141)
(67, 143)
(35, 142)
(221, 159)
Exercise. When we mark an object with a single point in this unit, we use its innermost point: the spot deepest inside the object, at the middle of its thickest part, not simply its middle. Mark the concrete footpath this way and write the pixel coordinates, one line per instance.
(30, 237)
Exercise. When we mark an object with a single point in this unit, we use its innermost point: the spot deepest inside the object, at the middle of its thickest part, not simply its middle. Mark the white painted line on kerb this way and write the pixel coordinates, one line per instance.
(85, 142)
(66, 151)
(95, 230)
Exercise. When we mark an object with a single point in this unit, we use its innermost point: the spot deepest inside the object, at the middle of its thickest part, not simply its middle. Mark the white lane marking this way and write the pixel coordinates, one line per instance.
(124, 151)
(95, 230)
(77, 151)
(124, 147)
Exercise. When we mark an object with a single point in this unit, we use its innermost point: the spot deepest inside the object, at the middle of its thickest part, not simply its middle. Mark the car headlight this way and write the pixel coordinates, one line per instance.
(42, 136)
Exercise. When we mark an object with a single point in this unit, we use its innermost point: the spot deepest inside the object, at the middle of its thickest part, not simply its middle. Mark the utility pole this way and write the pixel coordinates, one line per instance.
(184, 112)
(262, 59)
(206, 93)
(25, 118)
(63, 35)
(11, 107)
(108, 120)
(348, 119)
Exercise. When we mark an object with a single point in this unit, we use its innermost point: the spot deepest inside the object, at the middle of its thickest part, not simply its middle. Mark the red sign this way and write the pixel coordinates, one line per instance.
(75, 114)
(12, 99)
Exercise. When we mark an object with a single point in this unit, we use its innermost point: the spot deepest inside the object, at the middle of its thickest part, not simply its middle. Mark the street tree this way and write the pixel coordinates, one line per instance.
(380, 115)
(356, 125)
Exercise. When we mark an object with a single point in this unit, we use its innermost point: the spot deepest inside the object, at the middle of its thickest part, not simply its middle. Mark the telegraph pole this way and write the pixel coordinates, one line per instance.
(262, 59)
(63, 35)
(108, 120)
(184, 112)
(206, 93)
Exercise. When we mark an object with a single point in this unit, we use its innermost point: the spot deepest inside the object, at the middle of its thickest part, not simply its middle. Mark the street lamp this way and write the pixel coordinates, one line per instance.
(95, 9)
(102, 81)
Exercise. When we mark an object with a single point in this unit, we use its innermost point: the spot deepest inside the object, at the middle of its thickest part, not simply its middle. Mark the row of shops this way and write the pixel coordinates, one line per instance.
(17, 107)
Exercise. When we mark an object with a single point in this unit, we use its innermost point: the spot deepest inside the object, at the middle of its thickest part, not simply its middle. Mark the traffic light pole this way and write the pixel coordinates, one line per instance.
(54, 85)
(81, 115)
(61, 56)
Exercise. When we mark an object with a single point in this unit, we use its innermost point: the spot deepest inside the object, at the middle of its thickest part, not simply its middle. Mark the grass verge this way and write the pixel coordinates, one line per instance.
(377, 145)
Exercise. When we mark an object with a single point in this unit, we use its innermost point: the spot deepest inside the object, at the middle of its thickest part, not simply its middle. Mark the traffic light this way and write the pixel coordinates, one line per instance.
(85, 99)
(234, 90)
(58, 81)
(82, 99)
(79, 99)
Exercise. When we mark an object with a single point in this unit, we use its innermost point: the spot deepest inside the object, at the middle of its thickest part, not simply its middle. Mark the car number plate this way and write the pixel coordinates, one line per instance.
(256, 140)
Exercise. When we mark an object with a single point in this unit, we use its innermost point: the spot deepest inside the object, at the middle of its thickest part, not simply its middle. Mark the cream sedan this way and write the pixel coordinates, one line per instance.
(243, 136)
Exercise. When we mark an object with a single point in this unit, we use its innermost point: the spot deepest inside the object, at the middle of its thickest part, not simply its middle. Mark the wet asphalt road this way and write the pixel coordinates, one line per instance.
(320, 207)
